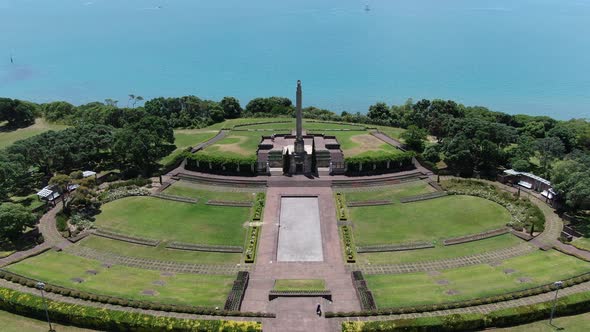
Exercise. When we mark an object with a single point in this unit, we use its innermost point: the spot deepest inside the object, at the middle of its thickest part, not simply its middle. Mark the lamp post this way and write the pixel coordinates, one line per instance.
(41, 287)
(557, 284)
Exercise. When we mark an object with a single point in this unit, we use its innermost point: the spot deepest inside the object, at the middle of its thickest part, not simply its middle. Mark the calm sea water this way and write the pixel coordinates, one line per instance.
(516, 56)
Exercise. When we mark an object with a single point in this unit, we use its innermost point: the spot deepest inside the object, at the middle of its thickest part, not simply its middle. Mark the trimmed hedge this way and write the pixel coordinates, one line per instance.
(126, 238)
(139, 182)
(369, 203)
(378, 164)
(229, 203)
(204, 247)
(395, 247)
(236, 295)
(423, 197)
(110, 320)
(251, 246)
(568, 305)
(259, 206)
(348, 244)
(463, 304)
(363, 293)
(148, 305)
(475, 237)
(341, 207)
(217, 164)
(181, 199)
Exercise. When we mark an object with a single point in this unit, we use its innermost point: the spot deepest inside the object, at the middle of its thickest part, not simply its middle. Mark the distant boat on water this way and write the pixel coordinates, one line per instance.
(11, 59)
(367, 8)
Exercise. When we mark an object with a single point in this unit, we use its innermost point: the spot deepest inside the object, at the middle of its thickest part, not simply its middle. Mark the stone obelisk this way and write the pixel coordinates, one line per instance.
(299, 145)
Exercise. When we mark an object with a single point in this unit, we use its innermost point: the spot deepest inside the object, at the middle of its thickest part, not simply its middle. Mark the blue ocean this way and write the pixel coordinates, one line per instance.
(515, 56)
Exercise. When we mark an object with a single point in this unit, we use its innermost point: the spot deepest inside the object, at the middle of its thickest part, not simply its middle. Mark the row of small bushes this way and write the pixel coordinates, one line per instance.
(259, 206)
(181, 199)
(221, 164)
(126, 238)
(139, 182)
(475, 237)
(423, 197)
(251, 246)
(110, 320)
(464, 304)
(524, 213)
(175, 161)
(236, 295)
(381, 163)
(568, 305)
(365, 296)
(115, 194)
(340, 206)
(348, 244)
(204, 247)
(396, 247)
(148, 305)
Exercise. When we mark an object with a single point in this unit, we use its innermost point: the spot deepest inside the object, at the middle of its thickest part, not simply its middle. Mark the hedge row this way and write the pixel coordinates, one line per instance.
(396, 247)
(221, 164)
(475, 237)
(204, 247)
(568, 305)
(181, 199)
(423, 197)
(369, 203)
(115, 194)
(340, 206)
(365, 296)
(251, 246)
(348, 244)
(126, 238)
(375, 164)
(259, 206)
(229, 203)
(236, 295)
(463, 304)
(139, 182)
(147, 305)
(110, 320)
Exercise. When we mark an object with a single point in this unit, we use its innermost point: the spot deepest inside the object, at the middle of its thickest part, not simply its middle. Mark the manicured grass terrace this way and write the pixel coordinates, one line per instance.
(237, 144)
(299, 284)
(428, 220)
(9, 136)
(193, 190)
(160, 219)
(59, 268)
(184, 138)
(159, 252)
(360, 143)
(390, 193)
(470, 282)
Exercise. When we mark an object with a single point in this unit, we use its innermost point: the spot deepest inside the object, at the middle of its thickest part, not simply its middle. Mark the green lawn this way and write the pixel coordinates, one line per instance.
(360, 143)
(7, 137)
(393, 193)
(236, 143)
(175, 221)
(233, 122)
(159, 252)
(183, 138)
(391, 132)
(31, 202)
(194, 190)
(582, 243)
(190, 289)
(428, 220)
(577, 323)
(473, 281)
(299, 284)
(441, 252)
(15, 323)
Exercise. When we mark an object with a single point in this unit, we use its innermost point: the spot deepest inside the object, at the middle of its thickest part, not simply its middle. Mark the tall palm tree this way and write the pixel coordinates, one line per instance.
(138, 98)
(131, 97)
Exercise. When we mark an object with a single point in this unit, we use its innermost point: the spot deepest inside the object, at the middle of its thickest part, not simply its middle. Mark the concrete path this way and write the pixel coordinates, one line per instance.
(220, 135)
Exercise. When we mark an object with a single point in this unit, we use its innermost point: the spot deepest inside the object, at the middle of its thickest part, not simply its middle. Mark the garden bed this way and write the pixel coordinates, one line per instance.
(475, 237)
(177, 198)
(230, 203)
(423, 197)
(369, 203)
(363, 293)
(236, 295)
(204, 247)
(126, 238)
(395, 247)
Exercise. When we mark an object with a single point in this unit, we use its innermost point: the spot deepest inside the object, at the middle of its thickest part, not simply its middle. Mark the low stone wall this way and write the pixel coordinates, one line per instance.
(395, 247)
(230, 203)
(369, 203)
(126, 238)
(204, 247)
(176, 198)
(423, 197)
(273, 294)
(476, 237)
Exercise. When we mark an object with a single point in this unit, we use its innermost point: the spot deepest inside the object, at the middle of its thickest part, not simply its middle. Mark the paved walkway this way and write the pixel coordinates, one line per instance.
(220, 135)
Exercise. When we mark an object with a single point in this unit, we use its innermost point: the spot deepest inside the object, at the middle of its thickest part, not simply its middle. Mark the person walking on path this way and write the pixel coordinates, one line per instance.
(318, 310)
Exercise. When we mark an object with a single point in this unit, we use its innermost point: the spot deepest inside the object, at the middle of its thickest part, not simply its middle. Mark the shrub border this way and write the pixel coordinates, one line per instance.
(349, 249)
(476, 237)
(204, 247)
(423, 197)
(252, 244)
(369, 203)
(126, 238)
(229, 203)
(238, 290)
(341, 207)
(395, 247)
(363, 293)
(175, 198)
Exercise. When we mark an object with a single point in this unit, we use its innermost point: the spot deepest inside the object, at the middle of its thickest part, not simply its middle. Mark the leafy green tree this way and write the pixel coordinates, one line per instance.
(379, 113)
(58, 110)
(14, 219)
(414, 138)
(566, 134)
(270, 106)
(13, 175)
(17, 113)
(61, 183)
(231, 107)
(571, 179)
(432, 153)
(521, 165)
(550, 149)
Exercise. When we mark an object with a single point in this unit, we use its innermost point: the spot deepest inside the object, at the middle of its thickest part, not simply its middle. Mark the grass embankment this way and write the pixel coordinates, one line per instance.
(9, 135)
(299, 285)
(235, 144)
(428, 220)
(193, 190)
(471, 282)
(16, 323)
(393, 193)
(166, 220)
(577, 323)
(126, 282)
(183, 138)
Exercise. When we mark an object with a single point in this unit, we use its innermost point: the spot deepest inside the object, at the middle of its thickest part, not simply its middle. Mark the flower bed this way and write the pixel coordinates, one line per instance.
(230, 203)
(111, 195)
(176, 198)
(236, 295)
(395, 247)
(251, 246)
(462, 304)
(259, 206)
(204, 247)
(423, 197)
(523, 212)
(348, 244)
(126, 238)
(368, 203)
(362, 291)
(475, 237)
(149, 305)
(273, 294)
(33, 306)
(340, 206)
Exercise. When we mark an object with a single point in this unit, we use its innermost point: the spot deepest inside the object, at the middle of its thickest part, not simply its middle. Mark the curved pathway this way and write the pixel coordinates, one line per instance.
(220, 135)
